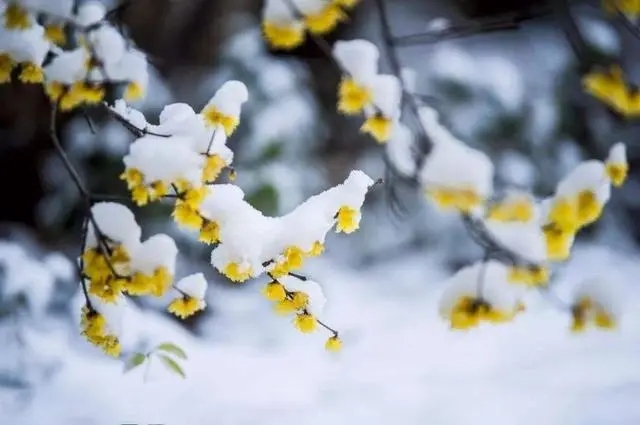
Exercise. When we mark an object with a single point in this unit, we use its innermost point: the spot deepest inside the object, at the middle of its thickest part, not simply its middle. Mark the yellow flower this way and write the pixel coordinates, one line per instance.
(299, 299)
(31, 73)
(564, 214)
(284, 307)
(274, 291)
(134, 91)
(333, 344)
(214, 117)
(284, 37)
(326, 20)
(6, 66)
(108, 291)
(157, 190)
(305, 322)
(161, 281)
(93, 326)
(140, 284)
(348, 220)
(588, 207)
(16, 17)
(237, 273)
(209, 232)
(536, 276)
(193, 197)
(140, 195)
(294, 257)
(586, 311)
(133, 177)
(610, 88)
(186, 215)
(185, 306)
(55, 34)
(213, 166)
(279, 269)
(379, 127)
(461, 199)
(316, 249)
(352, 97)
(517, 210)
(468, 312)
(617, 173)
(558, 242)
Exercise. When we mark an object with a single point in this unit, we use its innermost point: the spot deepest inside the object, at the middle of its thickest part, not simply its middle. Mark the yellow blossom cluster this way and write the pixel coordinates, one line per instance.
(95, 329)
(73, 74)
(285, 22)
(297, 303)
(587, 311)
(630, 8)
(468, 312)
(610, 87)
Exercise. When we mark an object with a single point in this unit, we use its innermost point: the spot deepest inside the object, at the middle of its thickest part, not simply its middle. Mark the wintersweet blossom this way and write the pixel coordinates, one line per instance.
(463, 187)
(191, 291)
(594, 304)
(363, 90)
(616, 164)
(284, 22)
(479, 293)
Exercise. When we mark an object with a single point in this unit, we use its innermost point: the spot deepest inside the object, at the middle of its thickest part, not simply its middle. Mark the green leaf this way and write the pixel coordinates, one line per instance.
(135, 361)
(172, 365)
(171, 348)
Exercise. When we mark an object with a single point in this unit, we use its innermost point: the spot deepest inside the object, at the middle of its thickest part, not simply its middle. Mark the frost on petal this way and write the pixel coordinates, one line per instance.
(359, 58)
(194, 285)
(116, 222)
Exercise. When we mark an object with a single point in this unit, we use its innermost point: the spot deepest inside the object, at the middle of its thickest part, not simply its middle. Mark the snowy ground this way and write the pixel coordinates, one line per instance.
(400, 364)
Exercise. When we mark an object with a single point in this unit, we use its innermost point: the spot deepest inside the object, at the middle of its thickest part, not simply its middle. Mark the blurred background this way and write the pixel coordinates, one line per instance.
(515, 94)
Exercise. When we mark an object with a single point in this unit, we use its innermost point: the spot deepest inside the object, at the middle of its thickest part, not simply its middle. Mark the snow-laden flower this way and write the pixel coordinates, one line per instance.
(479, 293)
(454, 176)
(515, 207)
(359, 60)
(26, 49)
(580, 197)
(192, 290)
(223, 110)
(16, 17)
(527, 242)
(281, 26)
(383, 112)
(153, 266)
(616, 164)
(101, 324)
(594, 304)
(320, 16)
(251, 242)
